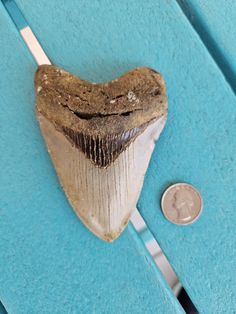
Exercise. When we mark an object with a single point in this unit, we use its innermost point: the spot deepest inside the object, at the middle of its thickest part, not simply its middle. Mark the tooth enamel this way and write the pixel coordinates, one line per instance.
(99, 142)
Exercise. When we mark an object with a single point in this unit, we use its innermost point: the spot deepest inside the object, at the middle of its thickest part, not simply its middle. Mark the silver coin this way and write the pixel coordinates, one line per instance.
(181, 204)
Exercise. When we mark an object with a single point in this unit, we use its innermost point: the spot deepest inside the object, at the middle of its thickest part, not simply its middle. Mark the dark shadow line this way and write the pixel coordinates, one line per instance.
(183, 297)
(2, 309)
(210, 43)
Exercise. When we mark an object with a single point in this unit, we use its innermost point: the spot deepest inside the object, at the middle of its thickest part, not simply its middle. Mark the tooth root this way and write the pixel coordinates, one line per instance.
(103, 198)
(100, 138)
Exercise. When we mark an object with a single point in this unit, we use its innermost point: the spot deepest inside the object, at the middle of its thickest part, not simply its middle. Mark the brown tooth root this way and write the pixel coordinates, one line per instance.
(100, 138)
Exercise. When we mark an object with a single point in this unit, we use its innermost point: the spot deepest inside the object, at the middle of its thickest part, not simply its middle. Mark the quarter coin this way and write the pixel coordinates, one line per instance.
(181, 204)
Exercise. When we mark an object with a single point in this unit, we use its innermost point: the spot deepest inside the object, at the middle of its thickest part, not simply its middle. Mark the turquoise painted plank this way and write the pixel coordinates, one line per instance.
(215, 23)
(49, 262)
(101, 39)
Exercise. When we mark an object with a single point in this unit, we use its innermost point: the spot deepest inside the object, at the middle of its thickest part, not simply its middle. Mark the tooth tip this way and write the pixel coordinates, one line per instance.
(102, 231)
(110, 237)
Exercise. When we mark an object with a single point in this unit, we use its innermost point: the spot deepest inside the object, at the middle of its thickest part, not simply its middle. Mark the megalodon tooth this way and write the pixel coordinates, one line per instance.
(100, 138)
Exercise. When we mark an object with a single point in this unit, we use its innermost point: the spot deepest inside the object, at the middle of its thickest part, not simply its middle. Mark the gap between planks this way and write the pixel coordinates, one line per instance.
(200, 27)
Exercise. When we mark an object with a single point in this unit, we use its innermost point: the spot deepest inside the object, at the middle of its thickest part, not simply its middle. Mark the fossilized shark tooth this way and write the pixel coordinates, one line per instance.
(100, 138)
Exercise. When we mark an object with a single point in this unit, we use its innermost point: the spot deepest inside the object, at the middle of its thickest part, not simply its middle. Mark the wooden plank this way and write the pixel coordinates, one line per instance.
(215, 23)
(156, 34)
(49, 262)
(198, 145)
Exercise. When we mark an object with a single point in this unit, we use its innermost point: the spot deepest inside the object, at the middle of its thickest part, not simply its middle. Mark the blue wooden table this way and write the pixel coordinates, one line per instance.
(49, 262)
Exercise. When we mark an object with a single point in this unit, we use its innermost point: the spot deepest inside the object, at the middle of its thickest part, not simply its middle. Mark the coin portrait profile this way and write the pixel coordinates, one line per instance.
(181, 203)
